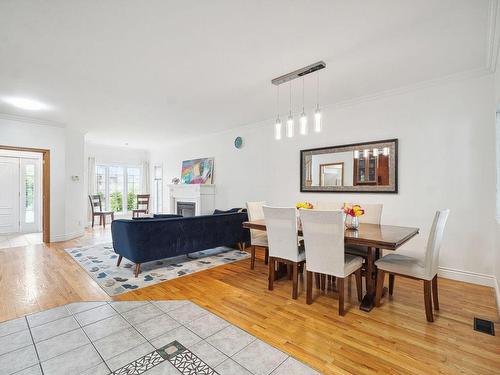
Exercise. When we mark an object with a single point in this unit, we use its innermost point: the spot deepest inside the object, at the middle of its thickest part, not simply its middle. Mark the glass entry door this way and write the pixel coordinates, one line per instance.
(30, 194)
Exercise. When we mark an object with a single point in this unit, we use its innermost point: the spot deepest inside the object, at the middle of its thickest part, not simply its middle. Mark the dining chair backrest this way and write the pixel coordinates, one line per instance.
(95, 203)
(255, 212)
(434, 242)
(143, 201)
(323, 233)
(281, 224)
(373, 213)
(326, 206)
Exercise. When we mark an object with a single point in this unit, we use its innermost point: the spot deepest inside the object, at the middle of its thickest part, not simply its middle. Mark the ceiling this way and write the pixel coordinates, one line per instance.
(156, 71)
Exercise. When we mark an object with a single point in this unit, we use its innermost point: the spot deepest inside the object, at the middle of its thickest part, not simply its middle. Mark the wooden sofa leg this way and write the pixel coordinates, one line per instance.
(252, 258)
(119, 261)
(137, 269)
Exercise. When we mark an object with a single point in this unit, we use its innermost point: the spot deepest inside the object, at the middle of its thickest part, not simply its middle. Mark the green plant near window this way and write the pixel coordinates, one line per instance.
(116, 201)
(131, 201)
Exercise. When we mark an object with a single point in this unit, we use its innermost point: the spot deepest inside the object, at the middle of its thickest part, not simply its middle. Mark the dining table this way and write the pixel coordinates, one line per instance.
(373, 238)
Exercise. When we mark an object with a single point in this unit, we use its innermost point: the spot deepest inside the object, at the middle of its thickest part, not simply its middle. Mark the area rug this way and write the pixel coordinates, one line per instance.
(99, 261)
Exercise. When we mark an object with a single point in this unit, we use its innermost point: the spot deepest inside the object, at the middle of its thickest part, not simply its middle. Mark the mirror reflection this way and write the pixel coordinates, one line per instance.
(363, 167)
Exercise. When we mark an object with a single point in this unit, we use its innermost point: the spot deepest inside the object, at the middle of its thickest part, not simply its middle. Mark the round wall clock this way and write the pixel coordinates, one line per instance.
(238, 142)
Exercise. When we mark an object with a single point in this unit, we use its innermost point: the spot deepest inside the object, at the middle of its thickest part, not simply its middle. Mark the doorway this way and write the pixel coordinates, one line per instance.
(24, 195)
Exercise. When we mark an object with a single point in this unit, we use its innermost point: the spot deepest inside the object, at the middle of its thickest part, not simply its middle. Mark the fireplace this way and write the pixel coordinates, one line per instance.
(186, 208)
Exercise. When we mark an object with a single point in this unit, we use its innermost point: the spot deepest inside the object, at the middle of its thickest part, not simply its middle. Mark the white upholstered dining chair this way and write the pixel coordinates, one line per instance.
(323, 233)
(258, 238)
(421, 265)
(284, 247)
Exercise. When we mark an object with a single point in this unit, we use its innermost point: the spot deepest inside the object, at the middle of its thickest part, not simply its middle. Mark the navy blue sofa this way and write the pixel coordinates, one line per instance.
(150, 239)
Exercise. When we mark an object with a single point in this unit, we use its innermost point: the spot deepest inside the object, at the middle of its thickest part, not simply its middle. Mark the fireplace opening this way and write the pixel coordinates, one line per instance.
(186, 209)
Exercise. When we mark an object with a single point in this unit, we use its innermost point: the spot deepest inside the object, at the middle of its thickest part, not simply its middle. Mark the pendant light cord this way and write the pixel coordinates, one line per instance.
(317, 91)
(290, 98)
(303, 95)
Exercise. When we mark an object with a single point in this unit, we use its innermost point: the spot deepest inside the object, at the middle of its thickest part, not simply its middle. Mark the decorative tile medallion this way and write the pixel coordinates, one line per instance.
(180, 357)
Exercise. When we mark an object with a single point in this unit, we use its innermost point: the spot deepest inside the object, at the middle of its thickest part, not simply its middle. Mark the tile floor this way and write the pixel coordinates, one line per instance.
(20, 239)
(124, 338)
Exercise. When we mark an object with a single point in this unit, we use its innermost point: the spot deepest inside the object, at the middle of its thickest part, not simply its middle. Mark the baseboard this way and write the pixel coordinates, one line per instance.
(467, 277)
(67, 236)
(497, 294)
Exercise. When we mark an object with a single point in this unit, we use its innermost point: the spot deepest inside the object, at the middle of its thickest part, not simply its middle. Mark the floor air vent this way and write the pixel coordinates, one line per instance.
(485, 326)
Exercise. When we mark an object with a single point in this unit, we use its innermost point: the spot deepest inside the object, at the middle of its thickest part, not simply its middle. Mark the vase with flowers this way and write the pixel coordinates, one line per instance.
(306, 205)
(353, 212)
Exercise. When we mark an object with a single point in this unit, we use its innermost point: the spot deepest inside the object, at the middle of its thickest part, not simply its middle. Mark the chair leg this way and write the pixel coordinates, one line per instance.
(137, 269)
(93, 221)
(270, 285)
(317, 279)
(380, 286)
(435, 297)
(112, 216)
(289, 270)
(295, 277)
(340, 285)
(428, 300)
(359, 284)
(323, 281)
(252, 258)
(309, 287)
(100, 219)
(391, 283)
(266, 255)
(104, 221)
(119, 261)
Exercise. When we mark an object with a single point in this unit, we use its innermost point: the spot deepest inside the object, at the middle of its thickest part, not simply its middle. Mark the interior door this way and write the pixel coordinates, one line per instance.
(30, 197)
(9, 195)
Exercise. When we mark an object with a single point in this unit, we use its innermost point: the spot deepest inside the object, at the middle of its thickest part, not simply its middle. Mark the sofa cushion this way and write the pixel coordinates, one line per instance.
(230, 211)
(165, 216)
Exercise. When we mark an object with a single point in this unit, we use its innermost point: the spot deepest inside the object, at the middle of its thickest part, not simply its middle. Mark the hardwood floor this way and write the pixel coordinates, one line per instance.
(392, 339)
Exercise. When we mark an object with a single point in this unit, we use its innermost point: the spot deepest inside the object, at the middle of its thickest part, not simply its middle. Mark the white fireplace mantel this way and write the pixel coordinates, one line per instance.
(202, 195)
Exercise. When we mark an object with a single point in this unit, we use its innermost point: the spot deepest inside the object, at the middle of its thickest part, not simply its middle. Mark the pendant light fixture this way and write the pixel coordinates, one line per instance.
(303, 118)
(289, 122)
(277, 125)
(317, 113)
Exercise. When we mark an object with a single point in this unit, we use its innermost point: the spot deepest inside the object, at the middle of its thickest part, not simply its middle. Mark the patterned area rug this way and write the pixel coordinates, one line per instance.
(100, 263)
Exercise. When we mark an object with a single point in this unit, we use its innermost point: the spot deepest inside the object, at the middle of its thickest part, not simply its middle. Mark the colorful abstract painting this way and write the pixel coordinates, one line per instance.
(197, 171)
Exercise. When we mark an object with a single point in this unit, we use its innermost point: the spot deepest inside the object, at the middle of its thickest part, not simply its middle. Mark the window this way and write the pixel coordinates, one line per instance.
(29, 188)
(114, 183)
(133, 185)
(158, 169)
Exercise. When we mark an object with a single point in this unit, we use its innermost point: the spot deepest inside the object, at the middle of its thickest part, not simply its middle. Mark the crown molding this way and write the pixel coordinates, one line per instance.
(474, 73)
(493, 36)
(31, 120)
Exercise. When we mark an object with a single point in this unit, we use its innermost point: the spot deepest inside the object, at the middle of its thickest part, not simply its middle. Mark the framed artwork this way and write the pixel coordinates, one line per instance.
(197, 171)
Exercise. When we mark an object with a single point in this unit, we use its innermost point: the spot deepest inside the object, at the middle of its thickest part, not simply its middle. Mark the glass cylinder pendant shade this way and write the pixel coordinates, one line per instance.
(277, 129)
(303, 124)
(289, 127)
(317, 120)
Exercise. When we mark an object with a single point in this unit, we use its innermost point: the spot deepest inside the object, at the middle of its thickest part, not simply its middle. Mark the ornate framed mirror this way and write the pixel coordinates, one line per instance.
(369, 167)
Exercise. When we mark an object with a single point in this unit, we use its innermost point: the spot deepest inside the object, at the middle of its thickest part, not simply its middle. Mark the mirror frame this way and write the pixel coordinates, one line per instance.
(392, 188)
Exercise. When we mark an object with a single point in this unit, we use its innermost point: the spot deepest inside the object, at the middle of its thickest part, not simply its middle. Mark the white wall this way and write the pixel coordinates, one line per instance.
(116, 155)
(446, 160)
(66, 159)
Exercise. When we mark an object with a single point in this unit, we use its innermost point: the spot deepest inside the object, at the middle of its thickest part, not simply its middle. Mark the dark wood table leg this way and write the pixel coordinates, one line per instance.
(369, 299)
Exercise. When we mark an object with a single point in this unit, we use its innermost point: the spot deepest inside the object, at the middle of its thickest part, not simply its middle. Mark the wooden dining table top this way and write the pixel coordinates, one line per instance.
(388, 237)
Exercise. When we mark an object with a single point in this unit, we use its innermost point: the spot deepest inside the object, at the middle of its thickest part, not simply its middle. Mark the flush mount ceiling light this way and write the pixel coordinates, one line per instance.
(303, 126)
(25, 103)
